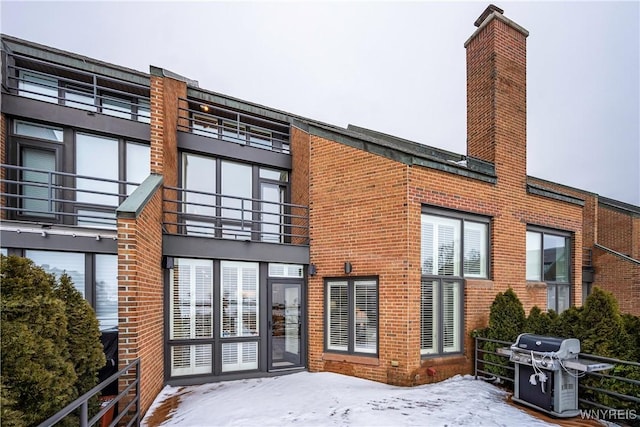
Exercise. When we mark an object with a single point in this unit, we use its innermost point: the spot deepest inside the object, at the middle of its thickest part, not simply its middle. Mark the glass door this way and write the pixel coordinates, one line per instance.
(285, 326)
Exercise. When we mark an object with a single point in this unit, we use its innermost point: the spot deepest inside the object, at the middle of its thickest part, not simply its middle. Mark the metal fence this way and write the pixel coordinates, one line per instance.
(126, 403)
(41, 80)
(232, 126)
(198, 213)
(45, 196)
(497, 365)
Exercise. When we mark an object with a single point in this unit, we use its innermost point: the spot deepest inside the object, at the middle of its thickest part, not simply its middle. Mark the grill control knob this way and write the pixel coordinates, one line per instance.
(516, 357)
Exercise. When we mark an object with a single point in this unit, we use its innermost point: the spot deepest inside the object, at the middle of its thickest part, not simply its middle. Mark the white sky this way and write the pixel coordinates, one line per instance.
(328, 399)
(396, 67)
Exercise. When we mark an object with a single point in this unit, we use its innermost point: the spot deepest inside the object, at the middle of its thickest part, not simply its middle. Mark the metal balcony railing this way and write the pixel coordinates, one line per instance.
(59, 198)
(198, 213)
(587, 257)
(36, 79)
(231, 126)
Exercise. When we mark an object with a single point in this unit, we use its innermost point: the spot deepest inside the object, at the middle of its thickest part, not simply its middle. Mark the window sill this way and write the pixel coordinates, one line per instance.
(536, 284)
(350, 358)
(439, 359)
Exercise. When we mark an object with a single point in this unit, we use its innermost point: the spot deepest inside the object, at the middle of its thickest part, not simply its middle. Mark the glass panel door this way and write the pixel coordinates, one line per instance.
(285, 325)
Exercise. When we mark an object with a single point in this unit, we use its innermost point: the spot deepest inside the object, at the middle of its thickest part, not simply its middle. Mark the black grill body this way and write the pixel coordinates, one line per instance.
(541, 379)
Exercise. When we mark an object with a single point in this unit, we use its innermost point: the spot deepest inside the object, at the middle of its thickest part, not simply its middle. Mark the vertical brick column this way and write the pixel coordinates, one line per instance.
(300, 151)
(140, 287)
(3, 159)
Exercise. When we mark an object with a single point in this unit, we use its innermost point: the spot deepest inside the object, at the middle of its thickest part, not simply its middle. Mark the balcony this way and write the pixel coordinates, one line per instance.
(202, 214)
(57, 84)
(232, 126)
(50, 198)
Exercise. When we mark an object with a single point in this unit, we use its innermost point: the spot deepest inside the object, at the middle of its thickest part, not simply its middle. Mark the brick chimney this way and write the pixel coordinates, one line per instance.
(496, 95)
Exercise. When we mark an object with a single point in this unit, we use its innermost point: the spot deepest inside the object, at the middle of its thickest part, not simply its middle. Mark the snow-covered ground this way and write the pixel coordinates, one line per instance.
(324, 399)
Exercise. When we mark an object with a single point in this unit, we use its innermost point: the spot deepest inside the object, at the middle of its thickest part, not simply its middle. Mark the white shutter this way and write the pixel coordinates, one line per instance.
(366, 316)
(239, 356)
(239, 299)
(191, 359)
(338, 313)
(429, 317)
(427, 243)
(191, 315)
(451, 317)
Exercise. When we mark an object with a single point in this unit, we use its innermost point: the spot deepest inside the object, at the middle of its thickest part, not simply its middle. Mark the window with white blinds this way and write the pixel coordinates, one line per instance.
(352, 315)
(338, 317)
(454, 246)
(191, 305)
(239, 356)
(191, 359)
(239, 299)
(440, 317)
(428, 318)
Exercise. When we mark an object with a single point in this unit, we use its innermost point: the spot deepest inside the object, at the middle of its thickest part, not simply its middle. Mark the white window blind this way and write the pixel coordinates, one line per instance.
(191, 299)
(191, 359)
(239, 356)
(338, 316)
(440, 244)
(107, 290)
(239, 299)
(475, 249)
(451, 316)
(428, 317)
(366, 317)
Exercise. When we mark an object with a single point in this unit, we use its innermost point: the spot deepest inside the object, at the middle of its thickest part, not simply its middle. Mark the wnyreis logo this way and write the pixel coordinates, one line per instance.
(609, 414)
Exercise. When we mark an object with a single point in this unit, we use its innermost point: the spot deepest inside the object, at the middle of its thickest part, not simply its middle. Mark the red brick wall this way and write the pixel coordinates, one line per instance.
(140, 297)
(299, 182)
(619, 231)
(358, 214)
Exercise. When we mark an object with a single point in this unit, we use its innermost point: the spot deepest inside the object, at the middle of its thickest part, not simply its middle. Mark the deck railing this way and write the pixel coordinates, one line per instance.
(232, 126)
(198, 213)
(127, 402)
(37, 79)
(59, 198)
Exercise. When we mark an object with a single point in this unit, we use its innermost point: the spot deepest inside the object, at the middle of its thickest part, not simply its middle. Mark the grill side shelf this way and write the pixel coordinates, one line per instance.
(586, 365)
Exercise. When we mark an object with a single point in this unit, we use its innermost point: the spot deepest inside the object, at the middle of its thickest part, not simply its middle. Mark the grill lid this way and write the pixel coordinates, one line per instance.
(564, 347)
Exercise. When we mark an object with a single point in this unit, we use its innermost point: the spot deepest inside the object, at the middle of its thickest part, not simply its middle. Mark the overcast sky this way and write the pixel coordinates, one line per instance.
(395, 67)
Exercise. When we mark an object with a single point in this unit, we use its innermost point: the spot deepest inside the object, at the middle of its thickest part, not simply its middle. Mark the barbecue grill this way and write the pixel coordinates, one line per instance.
(547, 371)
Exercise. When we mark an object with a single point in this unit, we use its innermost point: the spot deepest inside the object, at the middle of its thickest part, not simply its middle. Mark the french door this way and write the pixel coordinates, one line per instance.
(286, 325)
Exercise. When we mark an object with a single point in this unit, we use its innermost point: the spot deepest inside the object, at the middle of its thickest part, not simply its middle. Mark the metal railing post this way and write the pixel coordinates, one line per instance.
(84, 414)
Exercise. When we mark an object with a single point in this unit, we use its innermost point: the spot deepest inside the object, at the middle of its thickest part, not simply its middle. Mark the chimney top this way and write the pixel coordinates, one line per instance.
(488, 11)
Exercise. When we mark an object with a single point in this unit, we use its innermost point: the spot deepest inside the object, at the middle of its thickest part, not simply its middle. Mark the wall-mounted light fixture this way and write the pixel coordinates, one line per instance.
(347, 267)
(312, 270)
(167, 262)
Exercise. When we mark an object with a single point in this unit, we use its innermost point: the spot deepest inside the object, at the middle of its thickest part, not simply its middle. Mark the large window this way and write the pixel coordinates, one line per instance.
(95, 276)
(233, 200)
(191, 316)
(454, 246)
(103, 164)
(548, 260)
(352, 315)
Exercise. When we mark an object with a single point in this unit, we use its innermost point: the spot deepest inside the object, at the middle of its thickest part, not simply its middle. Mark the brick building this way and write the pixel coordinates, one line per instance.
(222, 239)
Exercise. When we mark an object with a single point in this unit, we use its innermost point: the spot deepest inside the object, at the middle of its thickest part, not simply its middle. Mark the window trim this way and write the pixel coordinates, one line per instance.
(439, 345)
(462, 216)
(542, 231)
(351, 320)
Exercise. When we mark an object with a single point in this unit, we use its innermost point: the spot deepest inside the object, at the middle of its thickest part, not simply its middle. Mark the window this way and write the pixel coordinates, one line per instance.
(453, 246)
(239, 301)
(236, 200)
(191, 316)
(548, 260)
(37, 192)
(95, 276)
(352, 315)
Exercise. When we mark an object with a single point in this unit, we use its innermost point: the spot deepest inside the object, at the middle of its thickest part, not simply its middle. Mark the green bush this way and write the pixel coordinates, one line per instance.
(506, 322)
(49, 343)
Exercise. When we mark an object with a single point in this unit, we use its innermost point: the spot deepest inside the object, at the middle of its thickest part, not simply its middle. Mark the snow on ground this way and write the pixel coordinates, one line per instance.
(325, 399)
